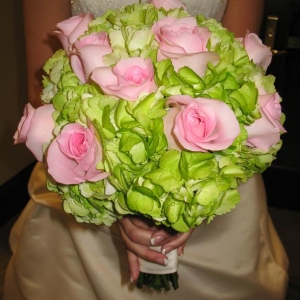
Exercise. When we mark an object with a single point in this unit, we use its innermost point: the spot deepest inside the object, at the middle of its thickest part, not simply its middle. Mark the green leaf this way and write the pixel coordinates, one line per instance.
(140, 202)
(138, 153)
(189, 76)
(122, 116)
(246, 96)
(144, 190)
(173, 209)
(150, 108)
(229, 202)
(181, 225)
(165, 179)
(208, 193)
(196, 165)
(59, 100)
(128, 140)
(108, 128)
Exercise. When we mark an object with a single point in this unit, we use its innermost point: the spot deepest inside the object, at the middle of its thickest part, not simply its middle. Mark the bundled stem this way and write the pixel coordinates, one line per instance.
(158, 282)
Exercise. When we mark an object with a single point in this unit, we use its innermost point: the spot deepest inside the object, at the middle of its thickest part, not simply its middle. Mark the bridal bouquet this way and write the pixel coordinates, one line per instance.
(152, 112)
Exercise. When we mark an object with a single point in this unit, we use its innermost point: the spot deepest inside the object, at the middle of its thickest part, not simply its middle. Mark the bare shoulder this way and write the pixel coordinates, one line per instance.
(244, 15)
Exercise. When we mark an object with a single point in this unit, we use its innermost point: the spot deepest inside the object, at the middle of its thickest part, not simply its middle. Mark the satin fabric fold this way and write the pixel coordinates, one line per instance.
(237, 256)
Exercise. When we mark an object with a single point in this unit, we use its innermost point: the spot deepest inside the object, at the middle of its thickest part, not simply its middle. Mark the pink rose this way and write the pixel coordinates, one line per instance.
(257, 51)
(127, 79)
(73, 156)
(35, 128)
(182, 41)
(200, 124)
(265, 132)
(168, 4)
(88, 54)
(21, 133)
(71, 29)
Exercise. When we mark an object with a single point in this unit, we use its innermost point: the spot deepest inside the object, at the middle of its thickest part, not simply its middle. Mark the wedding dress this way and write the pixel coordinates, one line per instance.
(237, 256)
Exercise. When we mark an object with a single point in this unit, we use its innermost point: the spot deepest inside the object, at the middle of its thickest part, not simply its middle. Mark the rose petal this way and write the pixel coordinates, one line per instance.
(40, 131)
(168, 4)
(77, 67)
(67, 168)
(64, 40)
(121, 81)
(91, 57)
(221, 126)
(68, 25)
(262, 134)
(197, 62)
(81, 28)
(20, 135)
(257, 51)
(270, 105)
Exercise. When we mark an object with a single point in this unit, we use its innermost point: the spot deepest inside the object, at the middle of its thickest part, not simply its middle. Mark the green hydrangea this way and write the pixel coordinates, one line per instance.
(176, 188)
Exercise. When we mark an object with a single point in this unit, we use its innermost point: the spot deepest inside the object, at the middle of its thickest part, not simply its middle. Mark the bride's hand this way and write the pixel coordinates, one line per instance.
(177, 240)
(137, 235)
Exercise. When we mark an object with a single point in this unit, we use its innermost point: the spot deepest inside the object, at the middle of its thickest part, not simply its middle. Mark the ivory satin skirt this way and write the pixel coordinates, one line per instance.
(237, 256)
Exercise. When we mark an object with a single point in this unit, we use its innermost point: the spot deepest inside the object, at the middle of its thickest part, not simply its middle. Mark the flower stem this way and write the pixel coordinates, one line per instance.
(158, 282)
(174, 280)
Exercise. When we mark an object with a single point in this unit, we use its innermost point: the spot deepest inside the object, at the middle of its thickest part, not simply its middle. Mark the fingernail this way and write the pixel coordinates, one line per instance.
(131, 280)
(166, 250)
(156, 240)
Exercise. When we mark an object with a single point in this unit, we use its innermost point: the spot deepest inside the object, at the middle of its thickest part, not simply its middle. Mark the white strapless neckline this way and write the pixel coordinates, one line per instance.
(209, 8)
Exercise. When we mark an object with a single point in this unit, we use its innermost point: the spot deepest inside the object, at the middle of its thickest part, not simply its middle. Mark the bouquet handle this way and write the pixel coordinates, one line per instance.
(157, 276)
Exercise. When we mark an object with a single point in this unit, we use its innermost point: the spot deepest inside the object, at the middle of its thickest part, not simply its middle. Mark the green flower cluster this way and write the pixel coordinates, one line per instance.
(179, 189)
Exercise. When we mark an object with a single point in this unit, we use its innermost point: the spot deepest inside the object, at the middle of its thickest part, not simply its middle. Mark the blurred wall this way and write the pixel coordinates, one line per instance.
(12, 90)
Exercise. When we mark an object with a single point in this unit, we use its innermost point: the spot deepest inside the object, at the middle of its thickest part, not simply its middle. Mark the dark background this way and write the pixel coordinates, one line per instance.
(283, 177)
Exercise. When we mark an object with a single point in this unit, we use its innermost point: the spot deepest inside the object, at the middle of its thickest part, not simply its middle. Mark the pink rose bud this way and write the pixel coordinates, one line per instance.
(182, 41)
(168, 4)
(200, 124)
(35, 128)
(73, 156)
(88, 54)
(265, 132)
(127, 79)
(21, 133)
(257, 51)
(71, 29)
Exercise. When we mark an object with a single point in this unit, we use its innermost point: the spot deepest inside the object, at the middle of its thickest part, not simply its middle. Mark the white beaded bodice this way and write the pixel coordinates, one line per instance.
(209, 8)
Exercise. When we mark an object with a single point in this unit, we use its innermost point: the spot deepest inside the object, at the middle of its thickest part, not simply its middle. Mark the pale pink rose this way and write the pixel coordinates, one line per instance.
(265, 132)
(257, 51)
(24, 124)
(71, 29)
(168, 4)
(200, 124)
(35, 128)
(73, 156)
(127, 79)
(88, 54)
(95, 38)
(182, 41)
